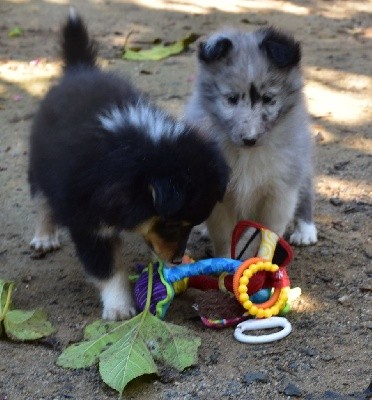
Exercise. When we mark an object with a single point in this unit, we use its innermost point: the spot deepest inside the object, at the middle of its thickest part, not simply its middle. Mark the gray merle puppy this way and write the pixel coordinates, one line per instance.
(103, 160)
(248, 96)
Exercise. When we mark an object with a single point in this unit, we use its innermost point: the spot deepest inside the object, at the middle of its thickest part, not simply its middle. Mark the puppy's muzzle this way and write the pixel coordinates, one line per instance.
(177, 258)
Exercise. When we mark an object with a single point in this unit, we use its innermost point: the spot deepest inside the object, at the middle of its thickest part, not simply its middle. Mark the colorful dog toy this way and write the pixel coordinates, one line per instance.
(260, 284)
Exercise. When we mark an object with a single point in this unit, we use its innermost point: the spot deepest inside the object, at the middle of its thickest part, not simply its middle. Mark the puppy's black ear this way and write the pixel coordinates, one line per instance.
(210, 52)
(168, 196)
(281, 49)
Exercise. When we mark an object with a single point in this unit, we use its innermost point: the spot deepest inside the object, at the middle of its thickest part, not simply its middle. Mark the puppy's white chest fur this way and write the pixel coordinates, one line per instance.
(255, 174)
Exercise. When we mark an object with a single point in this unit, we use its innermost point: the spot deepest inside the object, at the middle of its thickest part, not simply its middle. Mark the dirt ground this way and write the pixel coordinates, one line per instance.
(328, 354)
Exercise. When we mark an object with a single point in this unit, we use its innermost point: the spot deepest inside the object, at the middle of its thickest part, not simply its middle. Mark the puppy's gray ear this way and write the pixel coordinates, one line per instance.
(210, 51)
(282, 50)
(168, 196)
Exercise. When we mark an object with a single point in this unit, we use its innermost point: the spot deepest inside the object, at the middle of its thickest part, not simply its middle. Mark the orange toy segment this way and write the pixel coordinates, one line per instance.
(240, 286)
(240, 270)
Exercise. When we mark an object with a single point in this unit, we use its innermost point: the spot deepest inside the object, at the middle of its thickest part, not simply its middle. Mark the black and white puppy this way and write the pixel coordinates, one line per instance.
(104, 160)
(248, 96)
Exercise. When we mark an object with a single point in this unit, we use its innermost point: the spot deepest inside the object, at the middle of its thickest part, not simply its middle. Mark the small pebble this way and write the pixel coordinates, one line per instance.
(368, 391)
(213, 359)
(319, 137)
(338, 225)
(340, 166)
(27, 279)
(255, 377)
(51, 342)
(353, 208)
(367, 324)
(365, 288)
(309, 352)
(335, 201)
(344, 300)
(293, 365)
(367, 249)
(292, 390)
(328, 357)
(233, 390)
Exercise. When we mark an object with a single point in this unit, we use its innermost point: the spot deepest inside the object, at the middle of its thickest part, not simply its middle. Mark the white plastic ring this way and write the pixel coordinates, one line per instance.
(255, 324)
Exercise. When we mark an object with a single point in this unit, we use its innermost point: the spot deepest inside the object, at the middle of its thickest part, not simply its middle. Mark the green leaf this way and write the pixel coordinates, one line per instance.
(85, 354)
(127, 359)
(99, 328)
(27, 325)
(129, 349)
(15, 32)
(171, 344)
(6, 288)
(19, 324)
(159, 52)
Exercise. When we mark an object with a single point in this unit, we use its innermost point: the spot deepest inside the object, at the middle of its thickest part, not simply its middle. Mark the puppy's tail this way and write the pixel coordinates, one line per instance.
(77, 47)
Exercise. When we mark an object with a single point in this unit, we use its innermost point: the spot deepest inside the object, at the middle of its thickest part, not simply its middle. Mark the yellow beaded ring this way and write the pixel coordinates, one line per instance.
(271, 307)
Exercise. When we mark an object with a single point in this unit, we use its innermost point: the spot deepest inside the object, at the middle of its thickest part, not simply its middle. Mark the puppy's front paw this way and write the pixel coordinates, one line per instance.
(117, 311)
(45, 244)
(304, 234)
(117, 299)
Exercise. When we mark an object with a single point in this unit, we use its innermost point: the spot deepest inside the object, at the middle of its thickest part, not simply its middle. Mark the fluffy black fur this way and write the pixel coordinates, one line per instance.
(93, 177)
(281, 48)
(219, 50)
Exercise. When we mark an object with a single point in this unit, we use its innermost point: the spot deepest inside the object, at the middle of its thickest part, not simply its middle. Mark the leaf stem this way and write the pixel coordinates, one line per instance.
(7, 301)
(149, 286)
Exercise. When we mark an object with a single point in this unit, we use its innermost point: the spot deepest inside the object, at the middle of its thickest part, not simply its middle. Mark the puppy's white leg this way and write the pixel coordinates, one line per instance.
(278, 210)
(116, 295)
(46, 233)
(220, 226)
(100, 253)
(305, 232)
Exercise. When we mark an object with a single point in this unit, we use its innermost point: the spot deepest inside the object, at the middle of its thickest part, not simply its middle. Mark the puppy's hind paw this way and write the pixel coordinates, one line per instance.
(45, 244)
(304, 234)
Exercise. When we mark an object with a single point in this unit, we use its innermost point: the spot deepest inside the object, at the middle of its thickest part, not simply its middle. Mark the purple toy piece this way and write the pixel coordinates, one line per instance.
(159, 291)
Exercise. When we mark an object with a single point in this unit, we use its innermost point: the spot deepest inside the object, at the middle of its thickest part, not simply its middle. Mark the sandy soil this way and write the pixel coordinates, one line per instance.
(328, 355)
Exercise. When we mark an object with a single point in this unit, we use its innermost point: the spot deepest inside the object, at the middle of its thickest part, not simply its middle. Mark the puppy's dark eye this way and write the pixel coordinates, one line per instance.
(233, 99)
(267, 99)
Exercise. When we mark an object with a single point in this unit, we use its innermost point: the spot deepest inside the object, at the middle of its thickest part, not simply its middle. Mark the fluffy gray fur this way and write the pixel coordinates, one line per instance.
(248, 96)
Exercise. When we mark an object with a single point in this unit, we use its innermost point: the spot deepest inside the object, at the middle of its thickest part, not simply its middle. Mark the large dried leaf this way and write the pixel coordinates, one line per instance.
(159, 51)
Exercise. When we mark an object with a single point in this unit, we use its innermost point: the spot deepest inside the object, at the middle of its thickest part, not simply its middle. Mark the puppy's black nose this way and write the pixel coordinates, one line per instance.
(177, 259)
(249, 142)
